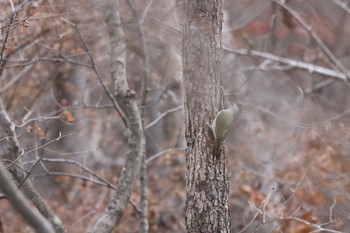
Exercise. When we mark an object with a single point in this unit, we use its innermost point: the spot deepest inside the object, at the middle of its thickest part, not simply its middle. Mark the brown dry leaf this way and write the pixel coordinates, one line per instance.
(319, 199)
(293, 226)
(83, 185)
(23, 29)
(35, 128)
(314, 198)
(246, 189)
(154, 177)
(25, 23)
(254, 196)
(259, 129)
(68, 117)
(64, 194)
(152, 214)
(64, 102)
(40, 133)
(257, 197)
(34, 11)
(4, 204)
(302, 228)
(62, 179)
(288, 19)
(31, 128)
(307, 216)
(1, 227)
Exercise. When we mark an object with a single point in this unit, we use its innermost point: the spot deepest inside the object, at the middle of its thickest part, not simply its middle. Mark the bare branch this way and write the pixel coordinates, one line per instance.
(164, 152)
(145, 12)
(59, 59)
(311, 68)
(342, 5)
(24, 153)
(5, 41)
(15, 149)
(126, 100)
(94, 67)
(251, 221)
(320, 85)
(18, 201)
(84, 168)
(163, 115)
(318, 40)
(331, 210)
(144, 202)
(144, 85)
(18, 76)
(318, 228)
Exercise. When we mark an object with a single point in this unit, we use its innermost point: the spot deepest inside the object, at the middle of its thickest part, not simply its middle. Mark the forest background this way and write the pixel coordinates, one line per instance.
(284, 63)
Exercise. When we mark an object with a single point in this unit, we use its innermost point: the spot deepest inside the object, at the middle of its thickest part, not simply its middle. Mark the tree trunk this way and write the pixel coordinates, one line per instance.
(207, 183)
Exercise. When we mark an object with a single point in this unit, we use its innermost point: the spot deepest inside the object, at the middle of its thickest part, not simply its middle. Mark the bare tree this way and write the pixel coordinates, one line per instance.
(207, 182)
(126, 99)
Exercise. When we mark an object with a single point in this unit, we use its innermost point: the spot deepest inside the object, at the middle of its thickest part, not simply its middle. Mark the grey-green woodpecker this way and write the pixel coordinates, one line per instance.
(221, 125)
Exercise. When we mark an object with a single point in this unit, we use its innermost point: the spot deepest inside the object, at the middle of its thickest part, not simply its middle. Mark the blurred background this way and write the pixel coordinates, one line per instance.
(285, 64)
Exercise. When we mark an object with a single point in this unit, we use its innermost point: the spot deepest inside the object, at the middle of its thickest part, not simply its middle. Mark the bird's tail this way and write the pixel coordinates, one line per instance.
(216, 148)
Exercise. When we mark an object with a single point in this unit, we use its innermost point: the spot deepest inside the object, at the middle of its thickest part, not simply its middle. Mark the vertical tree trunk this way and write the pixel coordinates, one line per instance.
(207, 183)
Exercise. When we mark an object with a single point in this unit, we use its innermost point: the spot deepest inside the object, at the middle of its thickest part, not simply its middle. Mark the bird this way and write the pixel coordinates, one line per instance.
(221, 125)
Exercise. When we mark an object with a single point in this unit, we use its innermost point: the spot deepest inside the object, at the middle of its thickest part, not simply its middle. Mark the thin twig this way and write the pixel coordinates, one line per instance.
(99, 77)
(28, 173)
(135, 207)
(83, 217)
(38, 119)
(8, 126)
(24, 153)
(293, 191)
(164, 152)
(82, 177)
(331, 210)
(2, 61)
(318, 86)
(163, 115)
(318, 40)
(250, 222)
(145, 12)
(5, 40)
(316, 226)
(18, 76)
(59, 59)
(84, 168)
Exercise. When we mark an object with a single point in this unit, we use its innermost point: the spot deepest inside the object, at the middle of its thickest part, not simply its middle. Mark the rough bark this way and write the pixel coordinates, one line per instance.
(207, 182)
